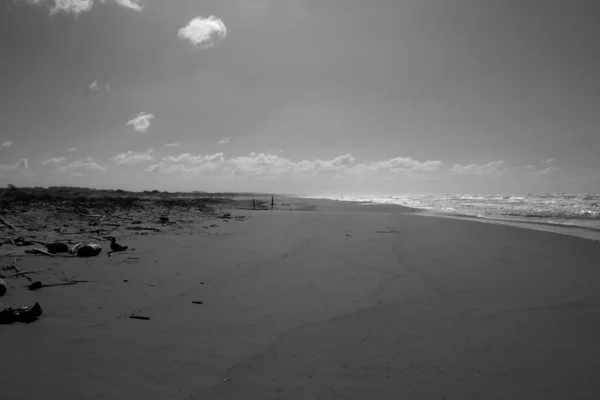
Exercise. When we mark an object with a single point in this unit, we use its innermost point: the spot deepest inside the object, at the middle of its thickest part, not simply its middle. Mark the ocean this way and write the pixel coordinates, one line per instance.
(573, 210)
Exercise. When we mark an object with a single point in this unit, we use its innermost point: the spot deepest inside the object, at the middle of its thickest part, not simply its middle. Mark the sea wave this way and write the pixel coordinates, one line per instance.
(569, 209)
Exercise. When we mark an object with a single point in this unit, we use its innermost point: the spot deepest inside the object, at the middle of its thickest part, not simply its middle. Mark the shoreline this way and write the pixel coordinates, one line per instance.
(582, 232)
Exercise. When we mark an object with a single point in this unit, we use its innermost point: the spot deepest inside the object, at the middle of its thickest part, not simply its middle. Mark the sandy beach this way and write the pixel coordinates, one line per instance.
(316, 299)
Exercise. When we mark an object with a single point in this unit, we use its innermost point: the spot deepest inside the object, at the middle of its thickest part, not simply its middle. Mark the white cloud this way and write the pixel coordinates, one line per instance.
(544, 171)
(548, 161)
(494, 168)
(400, 164)
(272, 165)
(87, 164)
(19, 165)
(93, 86)
(188, 163)
(72, 6)
(141, 122)
(77, 7)
(131, 157)
(224, 141)
(54, 161)
(7, 143)
(131, 4)
(174, 144)
(203, 32)
(72, 149)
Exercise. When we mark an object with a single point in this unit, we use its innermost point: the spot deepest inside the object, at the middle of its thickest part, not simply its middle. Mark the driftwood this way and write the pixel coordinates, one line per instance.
(3, 222)
(38, 285)
(141, 228)
(39, 251)
(17, 274)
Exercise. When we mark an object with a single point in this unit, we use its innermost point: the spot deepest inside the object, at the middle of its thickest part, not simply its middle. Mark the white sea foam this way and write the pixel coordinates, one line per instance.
(568, 209)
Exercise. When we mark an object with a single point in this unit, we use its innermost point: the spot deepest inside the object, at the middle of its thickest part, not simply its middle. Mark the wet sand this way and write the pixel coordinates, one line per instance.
(315, 300)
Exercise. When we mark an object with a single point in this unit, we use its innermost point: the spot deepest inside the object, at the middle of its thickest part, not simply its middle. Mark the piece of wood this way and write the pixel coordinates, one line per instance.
(139, 317)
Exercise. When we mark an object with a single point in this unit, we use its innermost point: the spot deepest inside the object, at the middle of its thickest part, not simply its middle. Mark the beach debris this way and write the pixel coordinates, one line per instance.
(38, 285)
(35, 250)
(95, 222)
(57, 247)
(86, 250)
(142, 228)
(3, 288)
(114, 246)
(197, 302)
(3, 222)
(21, 314)
(139, 317)
(226, 216)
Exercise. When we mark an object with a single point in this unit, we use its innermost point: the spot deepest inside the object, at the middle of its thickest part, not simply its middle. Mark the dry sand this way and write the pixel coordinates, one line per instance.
(332, 301)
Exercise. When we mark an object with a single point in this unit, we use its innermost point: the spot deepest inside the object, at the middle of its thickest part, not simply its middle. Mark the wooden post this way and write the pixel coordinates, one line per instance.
(253, 204)
(272, 202)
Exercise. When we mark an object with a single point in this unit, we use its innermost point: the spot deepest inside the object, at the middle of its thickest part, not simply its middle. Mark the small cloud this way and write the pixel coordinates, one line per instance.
(77, 7)
(494, 168)
(72, 149)
(93, 86)
(19, 165)
(131, 4)
(141, 122)
(548, 161)
(544, 171)
(131, 157)
(203, 32)
(7, 143)
(87, 164)
(224, 141)
(401, 164)
(188, 163)
(174, 144)
(54, 161)
(22, 163)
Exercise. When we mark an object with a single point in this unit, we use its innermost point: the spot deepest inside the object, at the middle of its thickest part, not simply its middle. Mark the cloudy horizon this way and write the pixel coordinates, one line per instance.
(354, 97)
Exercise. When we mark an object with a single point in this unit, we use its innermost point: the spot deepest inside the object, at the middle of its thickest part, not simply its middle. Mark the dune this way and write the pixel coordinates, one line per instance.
(314, 299)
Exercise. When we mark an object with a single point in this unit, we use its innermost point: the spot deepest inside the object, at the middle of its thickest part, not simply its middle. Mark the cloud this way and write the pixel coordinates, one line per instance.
(400, 164)
(548, 161)
(87, 164)
(54, 161)
(203, 32)
(273, 165)
(174, 144)
(131, 157)
(188, 163)
(493, 168)
(77, 7)
(131, 4)
(72, 6)
(93, 86)
(141, 122)
(224, 141)
(544, 171)
(72, 149)
(7, 143)
(22, 164)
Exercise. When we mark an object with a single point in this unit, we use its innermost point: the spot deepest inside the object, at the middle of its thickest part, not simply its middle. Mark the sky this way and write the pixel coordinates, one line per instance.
(382, 97)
